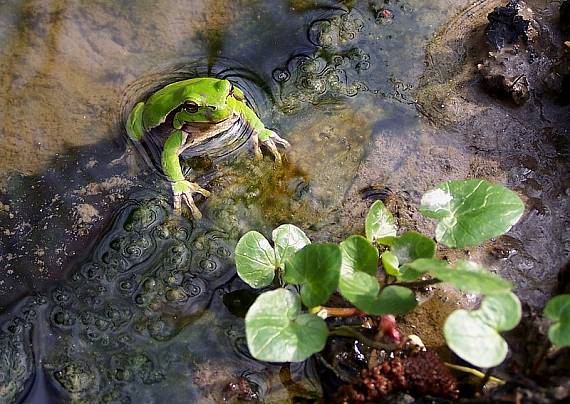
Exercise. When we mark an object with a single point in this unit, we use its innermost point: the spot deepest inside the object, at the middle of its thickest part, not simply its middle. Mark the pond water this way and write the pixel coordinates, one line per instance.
(106, 294)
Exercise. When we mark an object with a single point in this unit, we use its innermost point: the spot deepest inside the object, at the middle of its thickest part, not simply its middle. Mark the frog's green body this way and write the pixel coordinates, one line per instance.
(204, 108)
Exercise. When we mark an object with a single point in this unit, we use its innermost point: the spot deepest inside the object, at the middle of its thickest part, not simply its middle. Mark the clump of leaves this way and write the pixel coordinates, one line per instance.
(558, 310)
(279, 329)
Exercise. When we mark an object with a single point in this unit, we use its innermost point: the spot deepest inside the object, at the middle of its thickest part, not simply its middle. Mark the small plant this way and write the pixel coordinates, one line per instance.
(287, 324)
(558, 311)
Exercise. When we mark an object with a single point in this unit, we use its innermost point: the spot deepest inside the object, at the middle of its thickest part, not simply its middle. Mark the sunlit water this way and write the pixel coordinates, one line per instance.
(127, 297)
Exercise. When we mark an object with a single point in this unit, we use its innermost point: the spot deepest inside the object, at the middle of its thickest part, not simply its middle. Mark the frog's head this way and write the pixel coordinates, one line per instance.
(204, 100)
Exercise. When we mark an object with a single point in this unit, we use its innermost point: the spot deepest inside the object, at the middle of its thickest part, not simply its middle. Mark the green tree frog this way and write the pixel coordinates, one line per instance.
(197, 110)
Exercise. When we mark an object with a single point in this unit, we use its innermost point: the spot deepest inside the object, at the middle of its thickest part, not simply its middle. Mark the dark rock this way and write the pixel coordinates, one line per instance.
(503, 75)
(565, 19)
(507, 26)
(509, 65)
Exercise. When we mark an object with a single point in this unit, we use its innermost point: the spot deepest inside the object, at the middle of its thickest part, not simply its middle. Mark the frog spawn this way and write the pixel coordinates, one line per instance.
(149, 276)
(330, 71)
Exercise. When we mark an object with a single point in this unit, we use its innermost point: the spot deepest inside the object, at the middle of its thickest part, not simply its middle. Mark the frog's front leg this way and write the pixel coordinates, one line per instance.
(270, 139)
(181, 188)
(261, 134)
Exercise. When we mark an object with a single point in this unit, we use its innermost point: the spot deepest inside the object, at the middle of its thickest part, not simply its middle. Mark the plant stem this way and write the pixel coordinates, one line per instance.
(341, 312)
(344, 331)
(420, 284)
(540, 359)
(476, 373)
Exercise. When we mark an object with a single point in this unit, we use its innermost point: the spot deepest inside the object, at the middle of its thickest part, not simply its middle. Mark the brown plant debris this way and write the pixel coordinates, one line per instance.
(419, 373)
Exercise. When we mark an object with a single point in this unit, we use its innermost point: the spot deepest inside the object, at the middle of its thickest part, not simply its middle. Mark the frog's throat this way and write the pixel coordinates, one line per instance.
(201, 132)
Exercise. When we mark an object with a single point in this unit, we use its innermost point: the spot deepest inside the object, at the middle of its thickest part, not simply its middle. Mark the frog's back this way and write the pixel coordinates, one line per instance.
(167, 99)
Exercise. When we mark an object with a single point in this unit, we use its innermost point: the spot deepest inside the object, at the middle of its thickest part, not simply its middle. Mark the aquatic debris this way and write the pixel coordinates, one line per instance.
(417, 372)
(240, 389)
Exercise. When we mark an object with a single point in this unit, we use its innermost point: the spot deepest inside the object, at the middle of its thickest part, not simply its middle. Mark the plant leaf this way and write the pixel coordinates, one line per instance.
(415, 269)
(317, 268)
(255, 260)
(358, 269)
(411, 246)
(471, 211)
(474, 335)
(473, 340)
(558, 310)
(288, 239)
(502, 311)
(390, 263)
(358, 255)
(464, 275)
(379, 225)
(392, 299)
(277, 331)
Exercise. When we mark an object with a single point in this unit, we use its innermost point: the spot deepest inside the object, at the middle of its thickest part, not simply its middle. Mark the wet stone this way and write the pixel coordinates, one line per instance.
(507, 26)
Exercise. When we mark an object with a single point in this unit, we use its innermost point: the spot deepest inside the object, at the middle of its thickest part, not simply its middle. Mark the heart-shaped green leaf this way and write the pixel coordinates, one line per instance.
(393, 299)
(474, 335)
(464, 275)
(411, 246)
(471, 211)
(558, 310)
(390, 263)
(277, 331)
(380, 226)
(255, 260)
(358, 270)
(317, 268)
(288, 239)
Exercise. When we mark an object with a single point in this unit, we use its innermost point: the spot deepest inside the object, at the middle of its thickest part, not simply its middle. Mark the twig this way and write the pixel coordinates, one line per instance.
(420, 284)
(326, 312)
(344, 331)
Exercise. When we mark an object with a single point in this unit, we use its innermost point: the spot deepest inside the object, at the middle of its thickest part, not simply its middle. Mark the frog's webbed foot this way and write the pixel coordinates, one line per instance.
(183, 191)
(271, 143)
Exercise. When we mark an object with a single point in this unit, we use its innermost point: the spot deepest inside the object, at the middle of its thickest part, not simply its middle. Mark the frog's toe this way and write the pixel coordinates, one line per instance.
(256, 148)
(270, 144)
(278, 140)
(183, 191)
(189, 201)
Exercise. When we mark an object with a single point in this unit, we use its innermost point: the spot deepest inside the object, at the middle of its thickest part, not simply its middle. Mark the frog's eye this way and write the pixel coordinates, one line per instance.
(190, 106)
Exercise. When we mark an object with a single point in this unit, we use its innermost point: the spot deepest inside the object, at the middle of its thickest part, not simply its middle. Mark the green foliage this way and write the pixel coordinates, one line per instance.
(411, 246)
(392, 299)
(474, 335)
(317, 268)
(277, 331)
(471, 211)
(390, 263)
(288, 240)
(358, 270)
(558, 310)
(380, 226)
(255, 260)
(464, 275)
